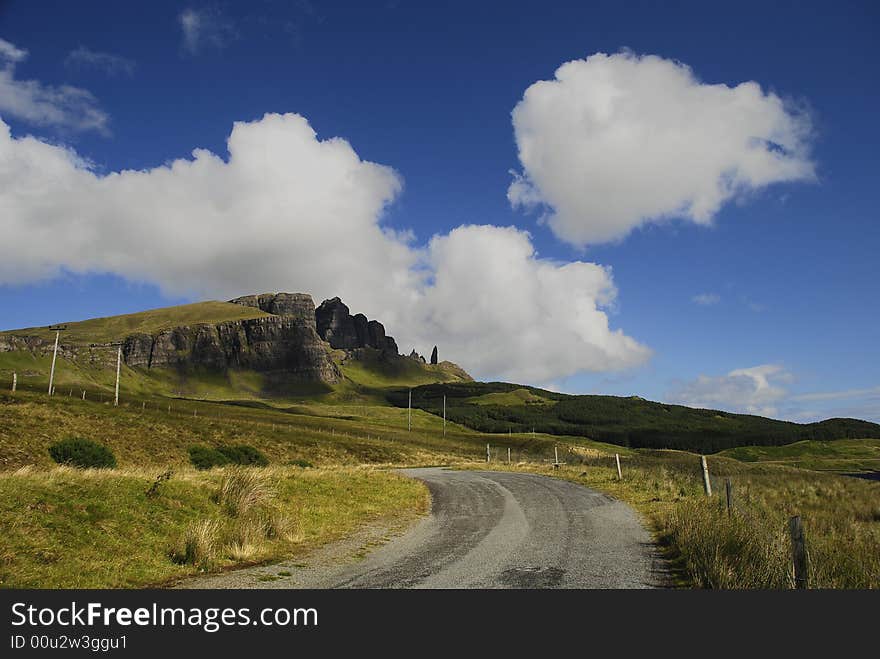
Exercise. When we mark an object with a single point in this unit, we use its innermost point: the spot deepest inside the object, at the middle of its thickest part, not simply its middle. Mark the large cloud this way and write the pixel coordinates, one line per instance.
(616, 141)
(523, 317)
(64, 106)
(287, 211)
(754, 390)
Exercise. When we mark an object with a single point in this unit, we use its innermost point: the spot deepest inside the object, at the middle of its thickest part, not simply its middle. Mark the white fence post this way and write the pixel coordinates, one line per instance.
(707, 485)
(52, 371)
(118, 366)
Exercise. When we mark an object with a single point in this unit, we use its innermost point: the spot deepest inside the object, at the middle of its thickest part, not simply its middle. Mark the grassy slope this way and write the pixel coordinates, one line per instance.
(90, 529)
(372, 372)
(842, 455)
(319, 432)
(515, 397)
(745, 551)
(116, 328)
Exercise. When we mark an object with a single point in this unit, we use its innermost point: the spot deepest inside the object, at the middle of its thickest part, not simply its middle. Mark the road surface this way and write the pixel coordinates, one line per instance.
(488, 530)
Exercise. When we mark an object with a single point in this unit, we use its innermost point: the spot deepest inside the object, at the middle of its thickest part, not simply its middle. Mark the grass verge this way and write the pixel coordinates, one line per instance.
(69, 528)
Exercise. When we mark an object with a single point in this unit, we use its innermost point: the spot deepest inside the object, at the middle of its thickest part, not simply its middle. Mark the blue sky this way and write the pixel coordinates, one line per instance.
(766, 304)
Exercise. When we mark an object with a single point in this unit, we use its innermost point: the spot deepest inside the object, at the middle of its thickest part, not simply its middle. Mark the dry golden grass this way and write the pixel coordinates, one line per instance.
(242, 489)
(198, 546)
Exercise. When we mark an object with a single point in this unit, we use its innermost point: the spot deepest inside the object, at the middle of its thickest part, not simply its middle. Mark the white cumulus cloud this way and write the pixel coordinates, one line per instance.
(617, 141)
(288, 211)
(754, 390)
(516, 315)
(61, 106)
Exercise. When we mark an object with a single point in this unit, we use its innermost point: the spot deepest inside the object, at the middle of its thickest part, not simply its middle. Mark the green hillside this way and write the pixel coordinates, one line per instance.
(634, 422)
(116, 328)
(842, 455)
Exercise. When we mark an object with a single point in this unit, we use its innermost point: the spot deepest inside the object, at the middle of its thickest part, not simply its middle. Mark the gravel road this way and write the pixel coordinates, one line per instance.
(487, 530)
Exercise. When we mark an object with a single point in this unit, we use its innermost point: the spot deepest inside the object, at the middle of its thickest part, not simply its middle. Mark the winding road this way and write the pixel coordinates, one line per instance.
(490, 530)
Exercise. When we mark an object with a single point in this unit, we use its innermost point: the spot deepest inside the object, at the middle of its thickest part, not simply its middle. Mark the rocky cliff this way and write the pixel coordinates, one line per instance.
(285, 342)
(343, 331)
(278, 343)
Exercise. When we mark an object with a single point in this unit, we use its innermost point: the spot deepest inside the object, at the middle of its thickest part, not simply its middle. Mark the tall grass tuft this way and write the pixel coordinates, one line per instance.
(198, 546)
(242, 490)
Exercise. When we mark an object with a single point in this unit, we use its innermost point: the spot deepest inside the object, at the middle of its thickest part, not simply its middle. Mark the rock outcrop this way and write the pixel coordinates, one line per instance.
(298, 305)
(343, 331)
(434, 356)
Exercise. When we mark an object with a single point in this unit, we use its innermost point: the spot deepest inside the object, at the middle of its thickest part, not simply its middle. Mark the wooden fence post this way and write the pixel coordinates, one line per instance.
(488, 455)
(799, 558)
(617, 460)
(707, 485)
(14, 382)
(728, 488)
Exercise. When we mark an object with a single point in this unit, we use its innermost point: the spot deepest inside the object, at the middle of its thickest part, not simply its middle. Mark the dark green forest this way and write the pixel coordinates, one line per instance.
(632, 421)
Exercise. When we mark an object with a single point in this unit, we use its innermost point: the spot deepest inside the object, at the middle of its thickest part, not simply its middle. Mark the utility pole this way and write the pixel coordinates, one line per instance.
(444, 415)
(409, 412)
(118, 366)
(54, 357)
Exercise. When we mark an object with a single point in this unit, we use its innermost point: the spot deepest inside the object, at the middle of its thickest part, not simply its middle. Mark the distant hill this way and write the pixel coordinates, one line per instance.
(633, 421)
(269, 345)
(842, 455)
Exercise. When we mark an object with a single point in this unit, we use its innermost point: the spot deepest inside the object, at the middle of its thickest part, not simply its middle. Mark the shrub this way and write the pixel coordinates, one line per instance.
(83, 453)
(242, 454)
(205, 457)
(305, 464)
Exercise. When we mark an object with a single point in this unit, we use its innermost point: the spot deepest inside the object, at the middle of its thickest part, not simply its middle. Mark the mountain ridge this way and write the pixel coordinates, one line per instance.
(270, 333)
